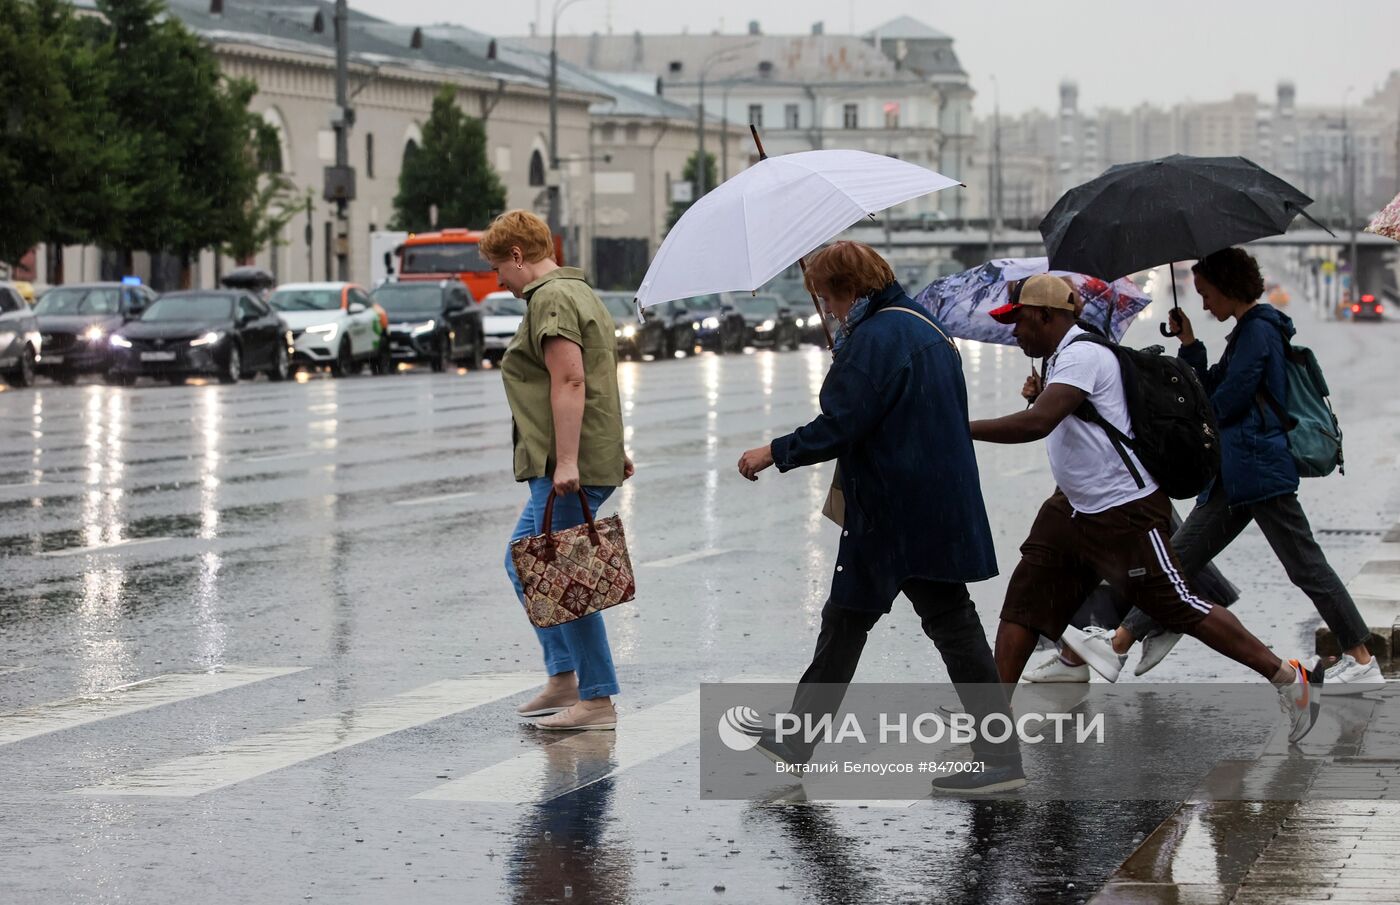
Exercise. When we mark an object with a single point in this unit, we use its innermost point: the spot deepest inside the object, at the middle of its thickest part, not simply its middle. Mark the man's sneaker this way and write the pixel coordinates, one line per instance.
(1094, 646)
(995, 778)
(781, 753)
(1347, 676)
(1299, 701)
(1155, 648)
(1057, 670)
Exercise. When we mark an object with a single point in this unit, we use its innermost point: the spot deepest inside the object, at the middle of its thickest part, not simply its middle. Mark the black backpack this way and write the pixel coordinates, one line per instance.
(1175, 436)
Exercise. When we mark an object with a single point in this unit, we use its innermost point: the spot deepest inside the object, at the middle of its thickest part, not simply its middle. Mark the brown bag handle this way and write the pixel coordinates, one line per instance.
(587, 515)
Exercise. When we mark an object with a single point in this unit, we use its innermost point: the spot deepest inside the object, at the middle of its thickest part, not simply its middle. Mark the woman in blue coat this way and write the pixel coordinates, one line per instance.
(1258, 481)
(894, 417)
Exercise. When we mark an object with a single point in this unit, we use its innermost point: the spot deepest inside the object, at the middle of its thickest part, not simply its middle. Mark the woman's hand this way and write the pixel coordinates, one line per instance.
(628, 469)
(755, 460)
(1182, 324)
(566, 478)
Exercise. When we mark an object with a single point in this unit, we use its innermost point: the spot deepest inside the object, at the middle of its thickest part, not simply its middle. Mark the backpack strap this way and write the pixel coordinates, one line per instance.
(1087, 412)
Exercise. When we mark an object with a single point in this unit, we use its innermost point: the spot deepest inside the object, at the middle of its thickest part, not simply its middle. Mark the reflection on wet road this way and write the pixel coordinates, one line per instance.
(305, 579)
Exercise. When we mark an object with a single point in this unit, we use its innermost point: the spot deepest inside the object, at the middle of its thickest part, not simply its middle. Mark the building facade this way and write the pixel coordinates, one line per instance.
(898, 90)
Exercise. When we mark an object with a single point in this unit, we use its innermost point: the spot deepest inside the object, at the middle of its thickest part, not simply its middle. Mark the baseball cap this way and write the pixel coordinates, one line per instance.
(1039, 291)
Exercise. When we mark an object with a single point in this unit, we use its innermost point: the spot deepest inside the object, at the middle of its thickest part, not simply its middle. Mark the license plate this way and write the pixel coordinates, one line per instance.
(53, 359)
(157, 356)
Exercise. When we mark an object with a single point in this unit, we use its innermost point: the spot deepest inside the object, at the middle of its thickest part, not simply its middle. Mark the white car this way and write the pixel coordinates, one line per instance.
(334, 325)
(501, 314)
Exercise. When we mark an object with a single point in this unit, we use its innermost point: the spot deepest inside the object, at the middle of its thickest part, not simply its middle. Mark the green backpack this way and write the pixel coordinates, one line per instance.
(1314, 434)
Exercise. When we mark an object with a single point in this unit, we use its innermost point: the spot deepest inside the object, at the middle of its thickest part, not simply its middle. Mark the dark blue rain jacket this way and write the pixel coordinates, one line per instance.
(1255, 461)
(894, 416)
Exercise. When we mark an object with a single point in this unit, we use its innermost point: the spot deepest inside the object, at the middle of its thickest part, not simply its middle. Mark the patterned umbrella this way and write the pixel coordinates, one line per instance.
(1387, 222)
(961, 301)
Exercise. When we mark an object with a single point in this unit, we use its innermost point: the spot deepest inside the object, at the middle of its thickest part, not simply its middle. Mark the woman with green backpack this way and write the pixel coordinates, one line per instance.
(1259, 474)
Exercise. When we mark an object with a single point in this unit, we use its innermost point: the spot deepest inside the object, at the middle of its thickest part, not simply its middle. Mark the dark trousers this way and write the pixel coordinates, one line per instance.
(949, 618)
(1211, 527)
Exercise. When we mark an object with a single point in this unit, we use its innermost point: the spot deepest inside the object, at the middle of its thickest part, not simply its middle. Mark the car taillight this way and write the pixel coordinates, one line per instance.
(1355, 309)
(1368, 299)
(1378, 308)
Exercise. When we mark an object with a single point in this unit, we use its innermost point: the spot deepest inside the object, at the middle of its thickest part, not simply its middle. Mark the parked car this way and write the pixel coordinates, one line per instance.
(769, 321)
(334, 325)
(1368, 309)
(634, 339)
(680, 326)
(436, 322)
(227, 333)
(75, 321)
(719, 327)
(501, 314)
(19, 337)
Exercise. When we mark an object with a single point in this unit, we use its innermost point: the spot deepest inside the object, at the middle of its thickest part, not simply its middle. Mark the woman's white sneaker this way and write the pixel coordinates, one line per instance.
(1057, 670)
(1347, 676)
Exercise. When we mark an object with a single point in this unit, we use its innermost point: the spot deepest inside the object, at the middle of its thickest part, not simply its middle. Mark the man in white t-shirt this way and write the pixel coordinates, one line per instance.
(1107, 519)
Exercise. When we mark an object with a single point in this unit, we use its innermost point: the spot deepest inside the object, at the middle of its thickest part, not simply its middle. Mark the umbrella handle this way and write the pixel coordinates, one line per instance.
(1168, 331)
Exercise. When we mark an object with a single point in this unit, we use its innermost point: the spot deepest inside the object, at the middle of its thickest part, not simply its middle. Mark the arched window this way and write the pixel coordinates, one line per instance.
(536, 168)
(409, 149)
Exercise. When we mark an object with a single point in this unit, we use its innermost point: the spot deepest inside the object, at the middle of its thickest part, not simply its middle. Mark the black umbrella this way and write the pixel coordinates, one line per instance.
(1141, 215)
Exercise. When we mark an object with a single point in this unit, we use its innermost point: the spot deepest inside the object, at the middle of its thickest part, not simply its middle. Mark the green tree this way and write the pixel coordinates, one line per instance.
(272, 206)
(61, 153)
(449, 170)
(192, 174)
(688, 175)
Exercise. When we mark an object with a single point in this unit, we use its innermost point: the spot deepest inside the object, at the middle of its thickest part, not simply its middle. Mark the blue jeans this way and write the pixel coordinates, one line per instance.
(581, 645)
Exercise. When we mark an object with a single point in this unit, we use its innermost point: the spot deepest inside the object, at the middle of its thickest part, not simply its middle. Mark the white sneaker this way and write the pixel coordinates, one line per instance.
(1057, 670)
(1347, 676)
(1155, 648)
(1094, 646)
(1299, 700)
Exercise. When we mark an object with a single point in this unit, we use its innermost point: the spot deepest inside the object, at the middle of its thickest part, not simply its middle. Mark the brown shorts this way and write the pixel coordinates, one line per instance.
(1068, 553)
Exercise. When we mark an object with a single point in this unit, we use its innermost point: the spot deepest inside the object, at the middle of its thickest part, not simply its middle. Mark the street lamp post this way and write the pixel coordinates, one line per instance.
(718, 56)
(552, 181)
(1349, 164)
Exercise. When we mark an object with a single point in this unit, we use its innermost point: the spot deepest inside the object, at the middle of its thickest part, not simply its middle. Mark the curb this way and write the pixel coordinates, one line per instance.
(1376, 590)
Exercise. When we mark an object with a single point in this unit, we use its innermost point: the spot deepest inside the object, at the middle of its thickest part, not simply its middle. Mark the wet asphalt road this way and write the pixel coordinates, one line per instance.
(335, 548)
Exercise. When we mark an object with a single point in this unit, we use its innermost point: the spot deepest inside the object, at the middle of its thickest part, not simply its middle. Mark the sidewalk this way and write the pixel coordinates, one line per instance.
(1342, 845)
(1376, 590)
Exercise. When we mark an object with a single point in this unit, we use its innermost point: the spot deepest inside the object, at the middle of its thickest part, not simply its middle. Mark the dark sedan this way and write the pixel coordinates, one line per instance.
(769, 322)
(1368, 309)
(229, 334)
(75, 322)
(634, 340)
(436, 322)
(719, 327)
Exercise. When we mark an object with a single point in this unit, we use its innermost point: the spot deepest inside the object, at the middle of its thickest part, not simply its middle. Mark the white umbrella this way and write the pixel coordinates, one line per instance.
(753, 227)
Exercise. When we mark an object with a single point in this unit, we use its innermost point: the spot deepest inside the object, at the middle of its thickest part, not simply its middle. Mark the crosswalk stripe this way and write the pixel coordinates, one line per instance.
(686, 557)
(279, 748)
(528, 777)
(124, 699)
(94, 548)
(437, 498)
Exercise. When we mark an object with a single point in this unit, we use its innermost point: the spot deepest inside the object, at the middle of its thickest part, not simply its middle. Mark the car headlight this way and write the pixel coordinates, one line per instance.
(814, 321)
(629, 331)
(324, 332)
(710, 323)
(425, 327)
(121, 342)
(695, 326)
(766, 326)
(94, 334)
(208, 339)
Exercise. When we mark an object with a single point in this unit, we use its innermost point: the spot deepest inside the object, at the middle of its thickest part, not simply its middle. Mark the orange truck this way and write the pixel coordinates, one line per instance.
(451, 254)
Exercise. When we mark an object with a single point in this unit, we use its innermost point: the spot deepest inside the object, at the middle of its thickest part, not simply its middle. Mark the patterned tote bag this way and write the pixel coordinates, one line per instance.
(568, 574)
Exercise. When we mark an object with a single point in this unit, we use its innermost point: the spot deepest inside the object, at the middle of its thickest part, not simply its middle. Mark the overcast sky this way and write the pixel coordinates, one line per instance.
(1121, 52)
